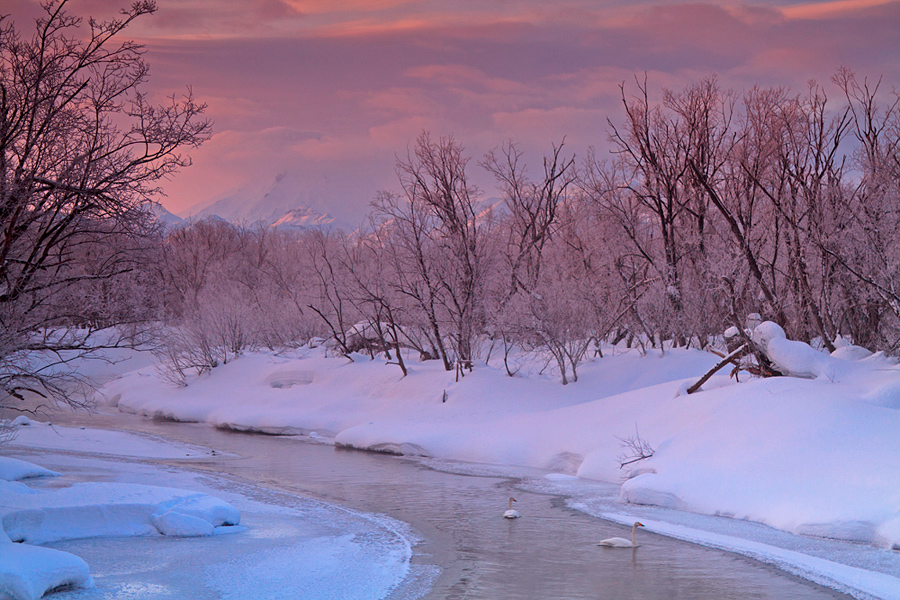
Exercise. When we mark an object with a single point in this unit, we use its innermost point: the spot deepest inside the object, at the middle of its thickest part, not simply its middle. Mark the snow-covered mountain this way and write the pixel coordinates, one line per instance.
(303, 218)
(163, 216)
(283, 202)
(289, 201)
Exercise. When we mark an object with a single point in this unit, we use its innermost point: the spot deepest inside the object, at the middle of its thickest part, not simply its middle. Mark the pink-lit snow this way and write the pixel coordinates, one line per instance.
(815, 454)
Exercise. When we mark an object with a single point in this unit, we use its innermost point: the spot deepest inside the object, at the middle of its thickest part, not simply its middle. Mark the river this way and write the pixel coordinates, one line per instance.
(467, 549)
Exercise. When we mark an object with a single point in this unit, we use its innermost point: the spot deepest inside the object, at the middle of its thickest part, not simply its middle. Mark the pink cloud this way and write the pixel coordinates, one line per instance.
(330, 6)
(333, 89)
(537, 128)
(833, 9)
(401, 101)
(456, 75)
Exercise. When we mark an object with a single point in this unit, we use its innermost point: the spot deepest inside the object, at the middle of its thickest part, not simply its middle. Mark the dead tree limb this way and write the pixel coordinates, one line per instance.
(728, 359)
(636, 449)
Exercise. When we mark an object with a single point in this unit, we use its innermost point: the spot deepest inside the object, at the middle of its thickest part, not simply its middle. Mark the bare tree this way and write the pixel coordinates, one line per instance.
(869, 240)
(81, 149)
(406, 231)
(375, 296)
(532, 308)
(332, 301)
(634, 449)
(532, 208)
(435, 244)
(434, 176)
(651, 146)
(291, 282)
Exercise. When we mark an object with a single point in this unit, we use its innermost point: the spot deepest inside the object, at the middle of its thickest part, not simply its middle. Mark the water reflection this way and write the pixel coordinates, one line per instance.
(550, 552)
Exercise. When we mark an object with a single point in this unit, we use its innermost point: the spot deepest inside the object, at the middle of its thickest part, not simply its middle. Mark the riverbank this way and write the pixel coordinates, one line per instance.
(813, 460)
(285, 545)
(455, 508)
(817, 457)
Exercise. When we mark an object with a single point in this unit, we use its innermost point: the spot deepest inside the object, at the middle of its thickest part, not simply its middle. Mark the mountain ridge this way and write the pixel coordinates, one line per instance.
(283, 202)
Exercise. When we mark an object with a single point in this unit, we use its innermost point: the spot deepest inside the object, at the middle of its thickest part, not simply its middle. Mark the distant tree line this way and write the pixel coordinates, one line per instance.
(711, 206)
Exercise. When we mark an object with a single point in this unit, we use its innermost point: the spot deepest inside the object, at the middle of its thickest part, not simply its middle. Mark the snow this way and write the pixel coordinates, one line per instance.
(797, 455)
(12, 469)
(324, 551)
(95, 509)
(37, 434)
(815, 454)
(34, 517)
(790, 357)
(28, 572)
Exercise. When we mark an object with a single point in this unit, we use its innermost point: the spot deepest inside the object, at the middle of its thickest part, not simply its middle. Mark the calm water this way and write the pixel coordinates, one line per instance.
(550, 553)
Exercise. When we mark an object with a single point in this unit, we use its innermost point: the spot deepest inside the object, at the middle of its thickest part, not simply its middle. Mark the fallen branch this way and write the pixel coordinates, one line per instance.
(728, 359)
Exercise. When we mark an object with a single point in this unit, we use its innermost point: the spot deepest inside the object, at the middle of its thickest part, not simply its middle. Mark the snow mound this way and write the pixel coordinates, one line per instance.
(636, 492)
(289, 378)
(798, 359)
(178, 524)
(886, 395)
(12, 469)
(850, 352)
(789, 357)
(110, 509)
(36, 516)
(29, 572)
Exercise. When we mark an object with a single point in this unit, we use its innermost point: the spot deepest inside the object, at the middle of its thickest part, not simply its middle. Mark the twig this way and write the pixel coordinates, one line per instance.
(637, 448)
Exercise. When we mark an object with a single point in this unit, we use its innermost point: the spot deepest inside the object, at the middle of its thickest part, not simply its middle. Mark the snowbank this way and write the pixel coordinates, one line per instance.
(803, 456)
(815, 454)
(29, 572)
(12, 469)
(37, 434)
(37, 516)
(784, 451)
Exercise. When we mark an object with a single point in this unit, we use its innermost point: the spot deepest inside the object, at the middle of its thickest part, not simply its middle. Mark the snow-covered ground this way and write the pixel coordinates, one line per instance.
(817, 456)
(285, 545)
(812, 458)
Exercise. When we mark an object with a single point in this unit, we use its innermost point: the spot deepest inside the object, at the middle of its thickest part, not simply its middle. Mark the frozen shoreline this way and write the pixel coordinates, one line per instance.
(858, 574)
(285, 543)
(812, 456)
(858, 570)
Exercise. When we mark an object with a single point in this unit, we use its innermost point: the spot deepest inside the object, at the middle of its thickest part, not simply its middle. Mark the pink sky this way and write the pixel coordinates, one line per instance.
(330, 91)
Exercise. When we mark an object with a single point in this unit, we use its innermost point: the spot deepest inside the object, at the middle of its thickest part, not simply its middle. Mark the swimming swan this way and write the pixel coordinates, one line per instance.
(618, 542)
(511, 514)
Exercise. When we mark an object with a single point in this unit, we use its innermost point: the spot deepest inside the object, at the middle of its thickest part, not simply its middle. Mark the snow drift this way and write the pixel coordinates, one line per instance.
(815, 454)
(31, 516)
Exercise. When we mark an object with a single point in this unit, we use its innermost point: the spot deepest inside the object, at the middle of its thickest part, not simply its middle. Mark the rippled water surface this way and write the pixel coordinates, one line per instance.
(550, 552)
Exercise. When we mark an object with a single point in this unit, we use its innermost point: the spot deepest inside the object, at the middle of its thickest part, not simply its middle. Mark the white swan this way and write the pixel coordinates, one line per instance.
(511, 514)
(618, 542)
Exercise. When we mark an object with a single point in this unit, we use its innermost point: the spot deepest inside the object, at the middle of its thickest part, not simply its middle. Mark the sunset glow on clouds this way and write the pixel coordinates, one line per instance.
(331, 90)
